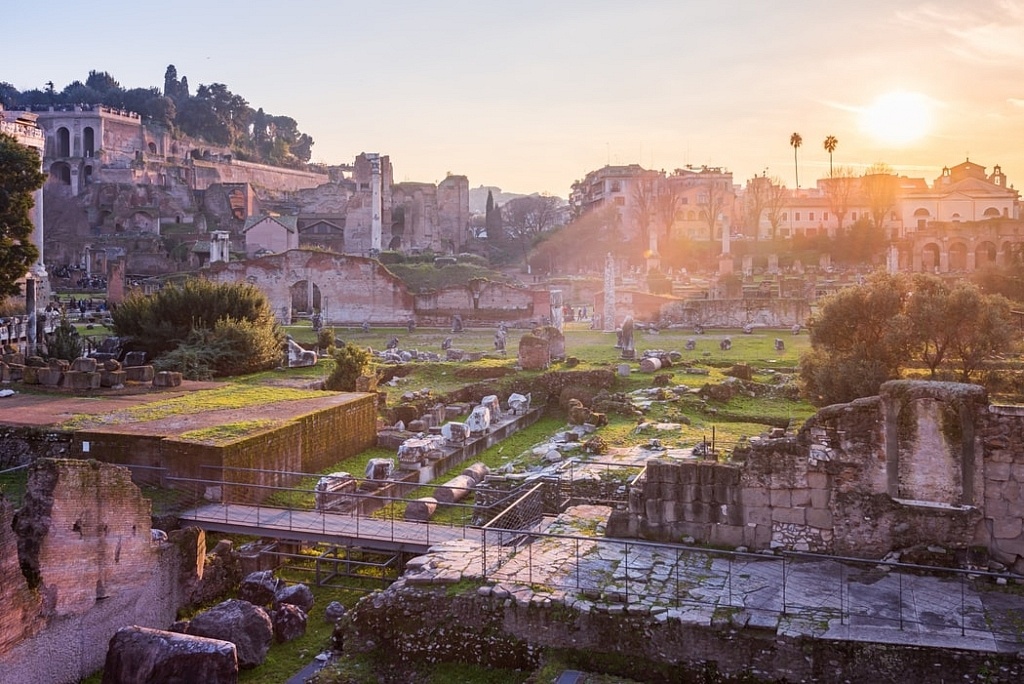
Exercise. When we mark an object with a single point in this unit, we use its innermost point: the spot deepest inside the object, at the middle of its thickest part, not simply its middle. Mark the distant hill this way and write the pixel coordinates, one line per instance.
(478, 197)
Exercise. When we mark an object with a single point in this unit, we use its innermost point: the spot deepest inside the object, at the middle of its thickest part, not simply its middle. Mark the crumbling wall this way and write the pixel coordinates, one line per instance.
(87, 567)
(488, 628)
(1002, 530)
(908, 468)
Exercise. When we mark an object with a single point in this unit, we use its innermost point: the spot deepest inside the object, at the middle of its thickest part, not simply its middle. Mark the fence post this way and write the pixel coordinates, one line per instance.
(842, 585)
(626, 564)
(730, 579)
(963, 607)
(901, 601)
(784, 585)
(483, 554)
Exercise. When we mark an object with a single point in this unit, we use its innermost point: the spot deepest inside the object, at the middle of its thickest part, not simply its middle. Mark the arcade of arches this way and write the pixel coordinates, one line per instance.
(960, 247)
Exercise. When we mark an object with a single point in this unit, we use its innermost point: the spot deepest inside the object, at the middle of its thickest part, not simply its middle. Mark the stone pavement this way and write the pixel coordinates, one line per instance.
(790, 595)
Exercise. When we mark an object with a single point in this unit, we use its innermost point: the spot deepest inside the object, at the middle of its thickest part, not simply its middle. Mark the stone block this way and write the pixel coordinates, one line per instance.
(1007, 528)
(781, 498)
(762, 536)
(688, 472)
(621, 524)
(817, 480)
(113, 378)
(727, 535)
(139, 373)
(5, 372)
(17, 372)
(758, 515)
(1000, 472)
(727, 475)
(139, 654)
(167, 379)
(30, 374)
(688, 492)
(668, 512)
(820, 498)
(80, 380)
(706, 472)
(668, 491)
(800, 497)
(366, 383)
(1014, 509)
(84, 364)
(755, 496)
(652, 510)
(790, 515)
(819, 517)
(49, 377)
(996, 508)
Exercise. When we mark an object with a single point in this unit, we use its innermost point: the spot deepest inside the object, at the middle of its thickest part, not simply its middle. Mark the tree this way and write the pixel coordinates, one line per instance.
(864, 335)
(838, 190)
(775, 202)
(711, 201)
(9, 95)
(492, 220)
(879, 187)
(755, 200)
(581, 245)
(235, 319)
(526, 218)
(830, 146)
(796, 140)
(20, 177)
(859, 339)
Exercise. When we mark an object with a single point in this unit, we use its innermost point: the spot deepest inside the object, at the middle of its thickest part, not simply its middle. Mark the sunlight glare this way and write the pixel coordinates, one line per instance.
(898, 118)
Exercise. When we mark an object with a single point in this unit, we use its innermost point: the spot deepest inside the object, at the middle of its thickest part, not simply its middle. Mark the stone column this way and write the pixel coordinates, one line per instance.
(608, 318)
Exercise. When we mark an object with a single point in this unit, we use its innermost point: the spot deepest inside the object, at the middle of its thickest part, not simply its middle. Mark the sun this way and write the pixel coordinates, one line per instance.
(898, 118)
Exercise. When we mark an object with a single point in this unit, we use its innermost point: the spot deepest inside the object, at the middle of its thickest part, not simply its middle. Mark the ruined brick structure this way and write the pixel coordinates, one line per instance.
(77, 563)
(923, 463)
(351, 289)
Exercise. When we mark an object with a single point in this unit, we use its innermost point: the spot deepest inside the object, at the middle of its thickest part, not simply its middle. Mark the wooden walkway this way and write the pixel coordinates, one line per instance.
(332, 528)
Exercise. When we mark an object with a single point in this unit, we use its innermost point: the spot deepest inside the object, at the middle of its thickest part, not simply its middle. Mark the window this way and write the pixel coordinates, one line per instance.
(785, 216)
(796, 216)
(854, 216)
(810, 216)
(824, 217)
(620, 201)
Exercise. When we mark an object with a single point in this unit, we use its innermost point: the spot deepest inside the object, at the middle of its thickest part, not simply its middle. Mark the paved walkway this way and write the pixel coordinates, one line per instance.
(816, 597)
(334, 528)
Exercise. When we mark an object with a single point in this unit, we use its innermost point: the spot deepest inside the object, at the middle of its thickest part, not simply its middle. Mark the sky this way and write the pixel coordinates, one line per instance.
(532, 95)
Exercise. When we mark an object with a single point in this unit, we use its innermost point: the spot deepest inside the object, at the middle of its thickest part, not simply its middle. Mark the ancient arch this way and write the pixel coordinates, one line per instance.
(930, 257)
(992, 213)
(305, 297)
(958, 257)
(985, 255)
(88, 142)
(61, 171)
(921, 216)
(63, 142)
(151, 146)
(88, 173)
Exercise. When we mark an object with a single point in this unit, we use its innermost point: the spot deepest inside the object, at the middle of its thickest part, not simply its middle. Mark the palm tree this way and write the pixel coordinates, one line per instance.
(796, 141)
(830, 147)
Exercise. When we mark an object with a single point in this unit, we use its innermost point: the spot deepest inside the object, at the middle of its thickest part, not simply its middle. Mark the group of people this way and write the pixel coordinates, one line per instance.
(569, 314)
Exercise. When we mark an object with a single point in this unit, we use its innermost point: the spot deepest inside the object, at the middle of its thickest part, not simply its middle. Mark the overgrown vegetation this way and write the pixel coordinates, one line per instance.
(203, 329)
(350, 362)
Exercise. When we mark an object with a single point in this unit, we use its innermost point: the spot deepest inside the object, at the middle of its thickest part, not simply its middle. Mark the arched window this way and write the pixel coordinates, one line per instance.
(88, 142)
(63, 142)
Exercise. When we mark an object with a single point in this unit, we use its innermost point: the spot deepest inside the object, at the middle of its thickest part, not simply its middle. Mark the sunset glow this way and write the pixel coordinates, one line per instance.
(898, 118)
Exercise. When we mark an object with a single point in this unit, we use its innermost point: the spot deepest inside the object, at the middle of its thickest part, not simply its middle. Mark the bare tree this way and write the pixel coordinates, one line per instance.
(755, 200)
(711, 201)
(526, 218)
(838, 189)
(775, 202)
(879, 186)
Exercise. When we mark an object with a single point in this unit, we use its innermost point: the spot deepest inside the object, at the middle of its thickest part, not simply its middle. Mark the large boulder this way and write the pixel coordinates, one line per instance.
(295, 594)
(247, 626)
(289, 623)
(140, 654)
(259, 588)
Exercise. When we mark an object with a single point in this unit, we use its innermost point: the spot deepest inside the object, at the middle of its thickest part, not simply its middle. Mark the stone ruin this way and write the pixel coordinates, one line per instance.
(298, 357)
(79, 561)
(84, 373)
(924, 464)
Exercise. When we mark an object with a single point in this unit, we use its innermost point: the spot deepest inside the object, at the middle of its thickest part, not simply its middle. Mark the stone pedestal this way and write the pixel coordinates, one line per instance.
(113, 378)
(81, 380)
(167, 379)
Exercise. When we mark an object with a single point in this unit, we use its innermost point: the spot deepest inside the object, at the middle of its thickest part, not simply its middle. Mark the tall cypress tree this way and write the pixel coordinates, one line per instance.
(20, 177)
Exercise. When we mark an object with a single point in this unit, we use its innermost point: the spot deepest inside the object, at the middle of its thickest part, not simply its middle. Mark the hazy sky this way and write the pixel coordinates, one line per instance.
(531, 95)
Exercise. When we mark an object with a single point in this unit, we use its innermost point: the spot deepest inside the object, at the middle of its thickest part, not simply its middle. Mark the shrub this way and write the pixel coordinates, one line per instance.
(349, 363)
(233, 319)
(66, 343)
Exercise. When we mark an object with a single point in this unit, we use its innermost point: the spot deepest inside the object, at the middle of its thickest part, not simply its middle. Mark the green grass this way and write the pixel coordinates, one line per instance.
(231, 396)
(227, 432)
